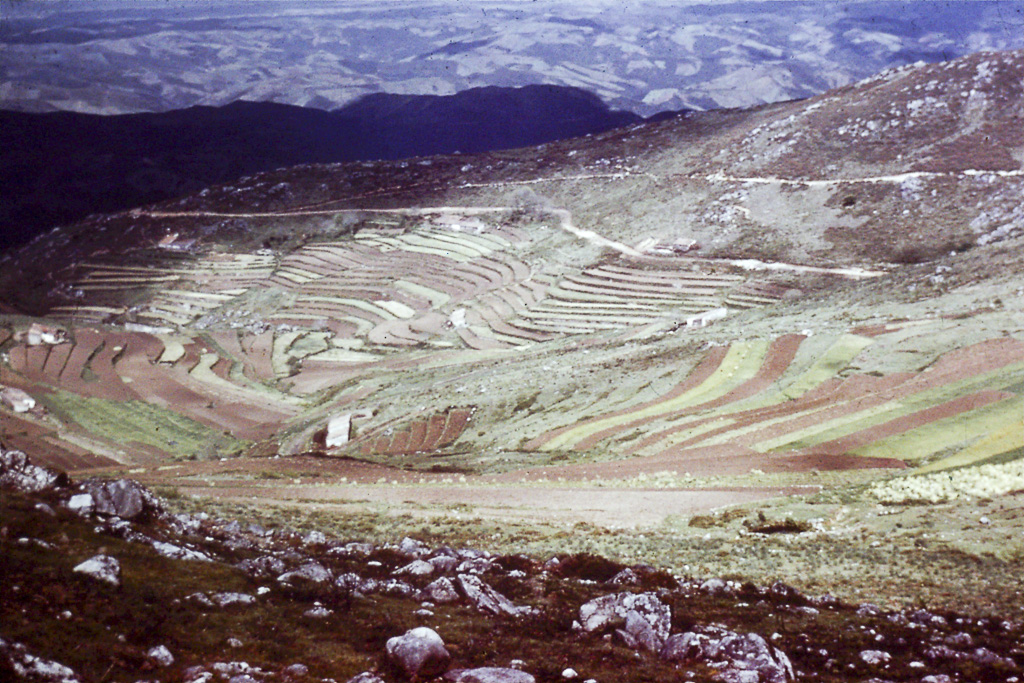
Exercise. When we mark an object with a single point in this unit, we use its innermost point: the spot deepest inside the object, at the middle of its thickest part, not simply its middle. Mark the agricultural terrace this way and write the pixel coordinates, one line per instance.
(204, 352)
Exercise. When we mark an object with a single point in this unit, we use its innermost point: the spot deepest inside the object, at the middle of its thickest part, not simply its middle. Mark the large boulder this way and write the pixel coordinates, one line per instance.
(639, 619)
(488, 674)
(122, 498)
(16, 472)
(740, 657)
(486, 599)
(419, 654)
(441, 591)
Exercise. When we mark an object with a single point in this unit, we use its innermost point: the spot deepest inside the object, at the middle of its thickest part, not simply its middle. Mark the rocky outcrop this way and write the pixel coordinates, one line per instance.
(640, 620)
(16, 472)
(121, 498)
(419, 654)
(745, 658)
(486, 599)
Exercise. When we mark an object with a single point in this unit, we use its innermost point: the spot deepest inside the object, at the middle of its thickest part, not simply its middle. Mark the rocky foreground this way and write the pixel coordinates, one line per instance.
(100, 581)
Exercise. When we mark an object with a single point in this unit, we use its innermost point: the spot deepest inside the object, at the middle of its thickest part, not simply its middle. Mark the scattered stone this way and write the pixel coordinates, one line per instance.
(488, 675)
(419, 654)
(570, 674)
(296, 671)
(627, 577)
(232, 599)
(318, 612)
(715, 587)
(262, 567)
(486, 599)
(366, 677)
(315, 538)
(160, 655)
(196, 674)
(235, 643)
(641, 619)
(16, 472)
(200, 599)
(311, 572)
(177, 552)
(102, 568)
(16, 657)
(875, 657)
(45, 509)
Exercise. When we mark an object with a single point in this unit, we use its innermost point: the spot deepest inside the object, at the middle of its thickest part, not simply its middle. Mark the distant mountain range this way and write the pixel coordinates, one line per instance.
(644, 56)
(57, 168)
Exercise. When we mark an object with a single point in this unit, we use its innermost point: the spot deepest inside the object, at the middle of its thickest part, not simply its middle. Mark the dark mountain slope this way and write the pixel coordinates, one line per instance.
(57, 168)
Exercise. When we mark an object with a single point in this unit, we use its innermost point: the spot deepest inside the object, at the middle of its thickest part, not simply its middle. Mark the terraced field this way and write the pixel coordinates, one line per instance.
(216, 352)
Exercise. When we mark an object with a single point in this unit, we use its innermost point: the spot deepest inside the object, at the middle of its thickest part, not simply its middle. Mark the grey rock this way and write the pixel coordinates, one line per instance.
(296, 671)
(177, 552)
(444, 563)
(122, 498)
(715, 587)
(475, 565)
(196, 674)
(45, 509)
(415, 568)
(262, 567)
(228, 599)
(352, 549)
(395, 588)
(642, 618)
(315, 538)
(160, 655)
(318, 612)
(29, 667)
(875, 657)
(486, 599)
(242, 678)
(200, 599)
(627, 577)
(365, 677)
(81, 504)
(353, 583)
(937, 678)
(311, 572)
(17, 472)
(959, 640)
(983, 655)
(102, 568)
(742, 657)
(410, 547)
(419, 654)
(488, 675)
(441, 591)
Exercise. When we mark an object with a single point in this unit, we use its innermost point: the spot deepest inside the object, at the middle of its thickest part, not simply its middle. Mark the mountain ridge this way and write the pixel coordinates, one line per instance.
(113, 163)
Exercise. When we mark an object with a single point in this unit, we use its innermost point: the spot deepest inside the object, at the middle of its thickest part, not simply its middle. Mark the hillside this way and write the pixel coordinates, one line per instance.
(112, 163)
(777, 343)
